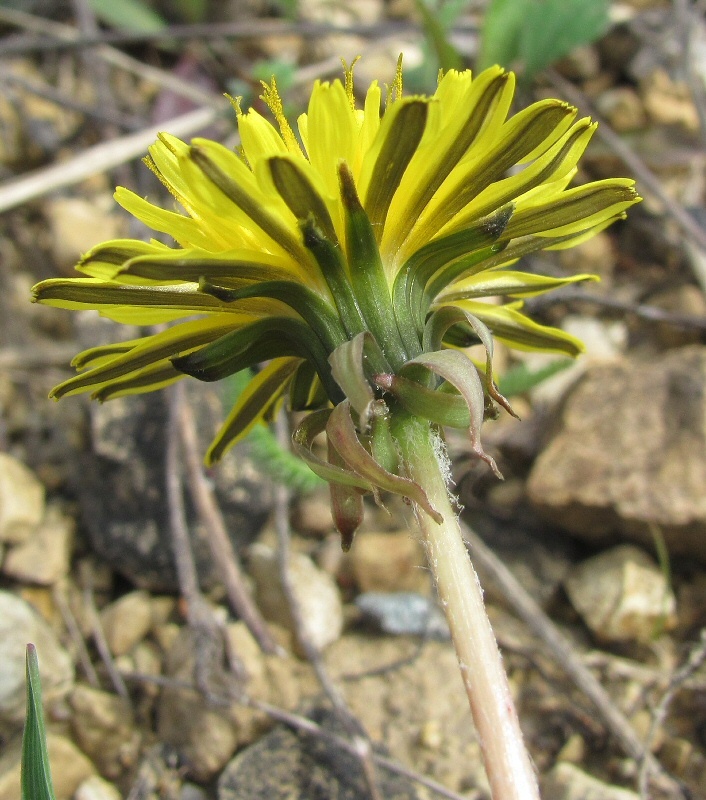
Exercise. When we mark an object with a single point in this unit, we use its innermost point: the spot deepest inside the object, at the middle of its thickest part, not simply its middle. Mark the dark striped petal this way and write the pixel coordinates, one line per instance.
(254, 402)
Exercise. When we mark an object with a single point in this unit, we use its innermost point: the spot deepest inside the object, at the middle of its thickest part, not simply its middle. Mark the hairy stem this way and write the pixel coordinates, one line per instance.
(507, 762)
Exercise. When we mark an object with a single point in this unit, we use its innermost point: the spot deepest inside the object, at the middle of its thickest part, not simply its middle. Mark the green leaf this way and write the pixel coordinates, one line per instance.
(368, 274)
(36, 771)
(521, 379)
(129, 15)
(436, 32)
(553, 28)
(300, 196)
(529, 35)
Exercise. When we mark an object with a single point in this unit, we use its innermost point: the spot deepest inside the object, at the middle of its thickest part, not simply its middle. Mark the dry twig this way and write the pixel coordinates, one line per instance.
(208, 633)
(224, 556)
(361, 744)
(302, 725)
(98, 635)
(696, 658)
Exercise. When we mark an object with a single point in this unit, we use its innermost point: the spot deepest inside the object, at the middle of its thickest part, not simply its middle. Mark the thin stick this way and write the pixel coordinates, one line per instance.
(223, 554)
(646, 312)
(559, 646)
(98, 635)
(46, 92)
(209, 635)
(696, 658)
(361, 745)
(12, 16)
(222, 30)
(67, 615)
(301, 724)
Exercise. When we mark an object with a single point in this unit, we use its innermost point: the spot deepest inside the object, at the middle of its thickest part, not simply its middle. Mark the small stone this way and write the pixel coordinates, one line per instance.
(389, 562)
(45, 556)
(622, 595)
(20, 624)
(669, 102)
(688, 300)
(69, 767)
(284, 766)
(312, 515)
(622, 108)
(431, 736)
(104, 729)
(205, 736)
(574, 750)
(97, 788)
(127, 621)
(580, 64)
(567, 782)
(21, 500)
(596, 255)
(403, 614)
(317, 595)
(77, 224)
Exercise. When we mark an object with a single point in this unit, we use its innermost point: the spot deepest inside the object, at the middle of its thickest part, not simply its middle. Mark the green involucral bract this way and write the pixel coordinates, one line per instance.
(356, 256)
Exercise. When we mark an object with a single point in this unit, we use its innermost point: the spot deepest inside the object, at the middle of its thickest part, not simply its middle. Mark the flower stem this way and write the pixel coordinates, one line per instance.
(507, 762)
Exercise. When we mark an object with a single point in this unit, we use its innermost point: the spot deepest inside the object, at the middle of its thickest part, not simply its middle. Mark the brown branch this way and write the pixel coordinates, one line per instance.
(361, 744)
(72, 626)
(208, 633)
(223, 554)
(696, 658)
(223, 30)
(98, 636)
(646, 312)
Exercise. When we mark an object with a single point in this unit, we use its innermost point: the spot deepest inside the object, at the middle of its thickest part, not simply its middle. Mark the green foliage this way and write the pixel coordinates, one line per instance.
(191, 11)
(281, 465)
(529, 35)
(521, 379)
(36, 773)
(128, 15)
(438, 18)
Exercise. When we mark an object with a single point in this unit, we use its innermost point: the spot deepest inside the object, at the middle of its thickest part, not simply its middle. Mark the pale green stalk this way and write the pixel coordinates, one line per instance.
(508, 766)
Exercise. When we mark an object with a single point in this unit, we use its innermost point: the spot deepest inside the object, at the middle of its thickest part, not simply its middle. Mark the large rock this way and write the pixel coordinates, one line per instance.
(629, 452)
(122, 489)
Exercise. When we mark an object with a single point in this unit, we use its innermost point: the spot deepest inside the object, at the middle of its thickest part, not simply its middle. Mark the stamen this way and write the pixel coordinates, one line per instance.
(154, 169)
(348, 72)
(394, 90)
(271, 97)
(236, 103)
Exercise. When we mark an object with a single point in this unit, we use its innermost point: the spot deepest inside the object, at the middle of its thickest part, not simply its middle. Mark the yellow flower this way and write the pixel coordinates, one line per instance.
(354, 258)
